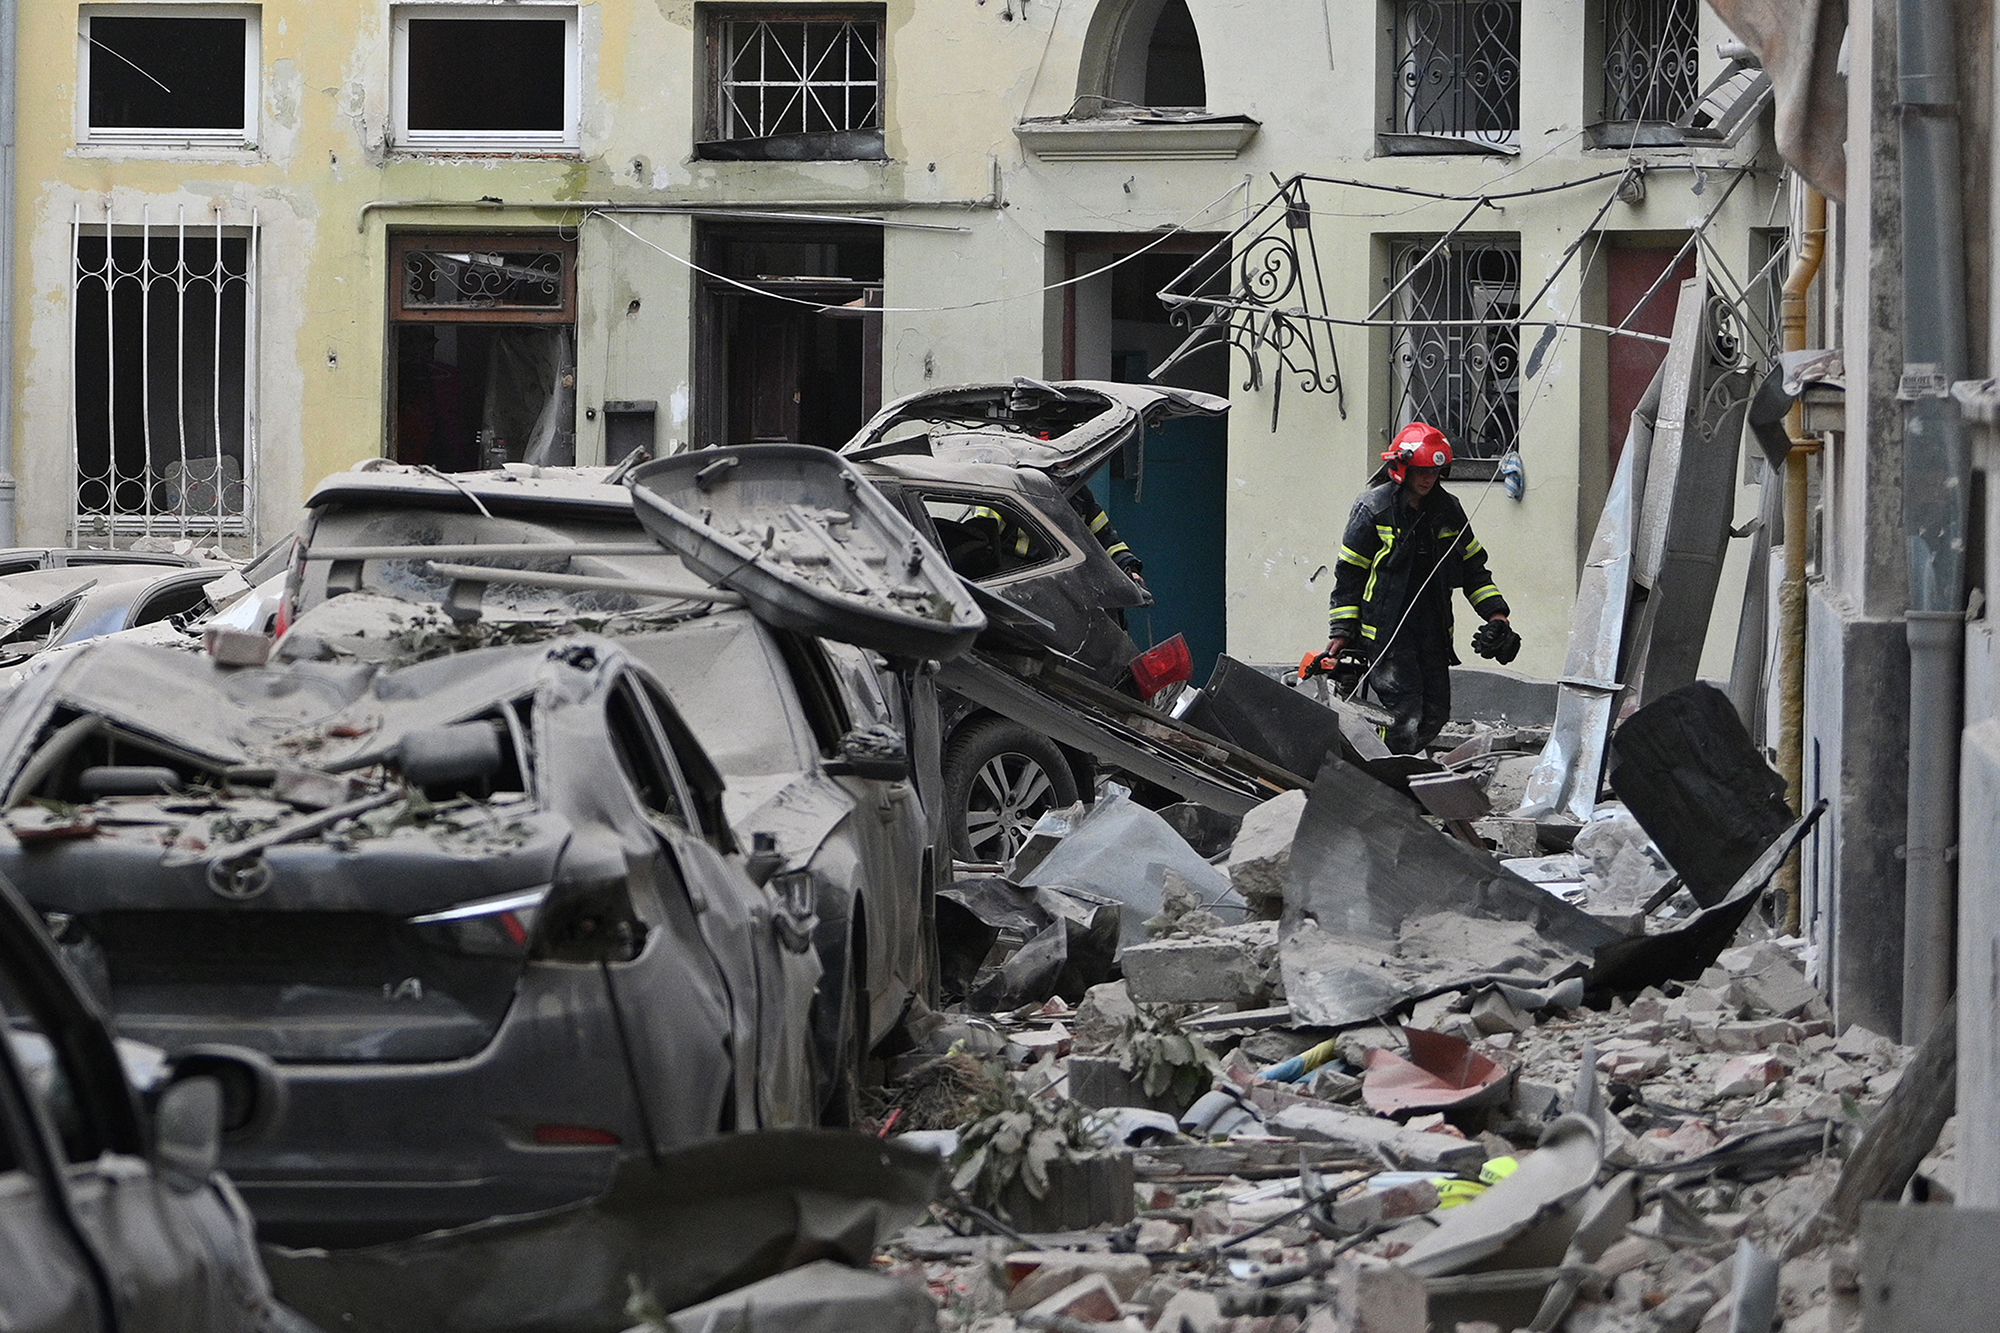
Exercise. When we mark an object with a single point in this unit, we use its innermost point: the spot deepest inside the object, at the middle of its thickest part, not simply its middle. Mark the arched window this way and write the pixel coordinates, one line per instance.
(1147, 54)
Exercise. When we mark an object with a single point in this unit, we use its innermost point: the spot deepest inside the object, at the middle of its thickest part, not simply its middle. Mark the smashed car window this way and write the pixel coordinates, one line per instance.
(722, 679)
(348, 527)
(639, 755)
(986, 538)
(41, 629)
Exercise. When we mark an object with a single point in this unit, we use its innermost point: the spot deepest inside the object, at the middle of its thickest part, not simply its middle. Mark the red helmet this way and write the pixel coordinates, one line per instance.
(1417, 445)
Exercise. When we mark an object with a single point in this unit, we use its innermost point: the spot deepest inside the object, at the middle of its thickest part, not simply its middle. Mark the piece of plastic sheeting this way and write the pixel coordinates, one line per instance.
(1631, 963)
(1542, 1196)
(704, 1221)
(1382, 909)
(1442, 1073)
(1122, 851)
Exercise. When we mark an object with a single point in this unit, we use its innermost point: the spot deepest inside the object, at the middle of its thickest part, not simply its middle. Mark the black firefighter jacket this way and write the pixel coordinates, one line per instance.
(1386, 559)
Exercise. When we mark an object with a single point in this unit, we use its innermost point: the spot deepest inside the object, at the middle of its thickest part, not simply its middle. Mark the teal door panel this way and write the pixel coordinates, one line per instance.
(1175, 521)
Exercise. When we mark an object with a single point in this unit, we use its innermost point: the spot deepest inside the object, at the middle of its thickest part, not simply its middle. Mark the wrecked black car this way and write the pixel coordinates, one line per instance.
(988, 471)
(812, 737)
(485, 912)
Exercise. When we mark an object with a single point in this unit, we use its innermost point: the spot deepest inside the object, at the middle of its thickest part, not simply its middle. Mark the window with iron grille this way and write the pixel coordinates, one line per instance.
(795, 85)
(163, 435)
(1457, 76)
(1651, 59)
(1455, 351)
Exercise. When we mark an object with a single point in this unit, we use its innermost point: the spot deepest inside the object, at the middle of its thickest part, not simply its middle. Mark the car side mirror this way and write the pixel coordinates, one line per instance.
(875, 751)
(187, 1133)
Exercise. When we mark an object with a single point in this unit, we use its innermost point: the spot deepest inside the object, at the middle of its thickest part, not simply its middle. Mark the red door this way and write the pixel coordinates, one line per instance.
(1632, 361)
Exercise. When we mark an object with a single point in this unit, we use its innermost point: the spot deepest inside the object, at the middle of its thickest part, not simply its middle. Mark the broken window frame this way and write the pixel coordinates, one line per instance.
(235, 498)
(721, 137)
(241, 136)
(1448, 314)
(565, 141)
(1057, 553)
(1466, 38)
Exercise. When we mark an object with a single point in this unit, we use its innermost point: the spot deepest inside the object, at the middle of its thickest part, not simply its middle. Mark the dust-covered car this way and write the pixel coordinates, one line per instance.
(995, 474)
(52, 608)
(484, 911)
(814, 738)
(112, 1214)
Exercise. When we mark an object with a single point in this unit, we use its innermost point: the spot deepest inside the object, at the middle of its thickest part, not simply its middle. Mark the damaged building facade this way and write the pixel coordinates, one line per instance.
(460, 233)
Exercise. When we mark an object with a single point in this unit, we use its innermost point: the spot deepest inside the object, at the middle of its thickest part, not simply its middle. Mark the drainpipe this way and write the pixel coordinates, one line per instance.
(9, 14)
(1792, 589)
(1935, 483)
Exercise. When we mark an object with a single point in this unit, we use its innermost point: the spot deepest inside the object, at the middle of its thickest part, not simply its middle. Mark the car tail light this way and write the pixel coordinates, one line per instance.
(491, 927)
(1157, 668)
(574, 1136)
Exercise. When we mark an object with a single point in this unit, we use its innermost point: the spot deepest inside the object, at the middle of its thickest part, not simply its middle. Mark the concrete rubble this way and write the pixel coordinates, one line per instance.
(1495, 1155)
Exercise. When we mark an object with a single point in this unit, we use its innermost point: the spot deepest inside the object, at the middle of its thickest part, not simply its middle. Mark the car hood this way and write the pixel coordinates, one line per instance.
(1066, 429)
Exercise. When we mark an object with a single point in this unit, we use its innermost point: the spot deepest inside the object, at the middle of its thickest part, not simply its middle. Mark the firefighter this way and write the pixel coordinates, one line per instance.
(1407, 545)
(1093, 516)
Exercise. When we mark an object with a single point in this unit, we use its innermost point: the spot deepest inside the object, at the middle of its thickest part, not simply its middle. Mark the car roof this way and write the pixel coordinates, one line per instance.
(76, 556)
(376, 482)
(21, 595)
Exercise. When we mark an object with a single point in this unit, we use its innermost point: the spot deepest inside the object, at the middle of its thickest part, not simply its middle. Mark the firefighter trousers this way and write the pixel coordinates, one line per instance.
(1412, 679)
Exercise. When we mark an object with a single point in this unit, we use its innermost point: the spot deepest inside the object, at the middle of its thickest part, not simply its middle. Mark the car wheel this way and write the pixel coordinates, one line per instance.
(842, 1107)
(999, 779)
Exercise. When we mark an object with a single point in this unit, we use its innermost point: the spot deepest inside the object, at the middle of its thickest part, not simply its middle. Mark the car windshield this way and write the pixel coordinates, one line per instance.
(348, 527)
(725, 678)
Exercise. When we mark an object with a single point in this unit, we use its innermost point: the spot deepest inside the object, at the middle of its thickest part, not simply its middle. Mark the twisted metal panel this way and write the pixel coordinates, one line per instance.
(163, 431)
(1458, 70)
(800, 77)
(1650, 59)
(1455, 347)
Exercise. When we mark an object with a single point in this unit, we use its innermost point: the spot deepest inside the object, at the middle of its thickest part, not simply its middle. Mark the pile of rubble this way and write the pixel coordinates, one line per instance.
(1538, 1143)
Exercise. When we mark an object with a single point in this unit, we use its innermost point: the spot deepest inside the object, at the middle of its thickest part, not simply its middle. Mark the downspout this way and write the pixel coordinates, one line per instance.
(1935, 485)
(9, 16)
(1792, 589)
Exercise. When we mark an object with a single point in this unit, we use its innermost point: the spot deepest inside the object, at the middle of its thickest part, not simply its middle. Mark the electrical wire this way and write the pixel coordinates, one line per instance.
(1165, 235)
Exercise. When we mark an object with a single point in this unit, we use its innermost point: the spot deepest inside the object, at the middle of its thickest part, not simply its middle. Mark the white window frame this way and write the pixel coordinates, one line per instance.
(566, 140)
(253, 77)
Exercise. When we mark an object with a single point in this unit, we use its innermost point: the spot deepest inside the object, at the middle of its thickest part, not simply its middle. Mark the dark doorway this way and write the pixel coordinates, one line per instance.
(1631, 362)
(789, 332)
(1168, 497)
(483, 332)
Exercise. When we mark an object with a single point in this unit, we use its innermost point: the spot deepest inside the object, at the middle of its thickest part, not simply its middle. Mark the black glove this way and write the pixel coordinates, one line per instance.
(1496, 639)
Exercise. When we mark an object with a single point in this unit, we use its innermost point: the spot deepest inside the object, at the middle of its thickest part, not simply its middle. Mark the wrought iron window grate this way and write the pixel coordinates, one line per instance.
(1651, 59)
(785, 77)
(163, 429)
(1458, 70)
(1455, 347)
(483, 280)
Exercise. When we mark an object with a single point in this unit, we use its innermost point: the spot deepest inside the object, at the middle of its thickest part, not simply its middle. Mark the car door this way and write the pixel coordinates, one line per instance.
(174, 1258)
(891, 825)
(53, 1283)
(770, 971)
